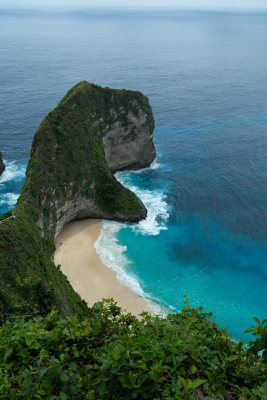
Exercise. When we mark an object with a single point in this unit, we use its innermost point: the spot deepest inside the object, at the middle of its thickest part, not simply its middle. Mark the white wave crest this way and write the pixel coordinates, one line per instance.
(154, 165)
(9, 199)
(13, 172)
(155, 202)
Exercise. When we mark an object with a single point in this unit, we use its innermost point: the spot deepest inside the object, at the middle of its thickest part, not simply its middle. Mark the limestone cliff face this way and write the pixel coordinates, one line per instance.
(129, 145)
(2, 165)
(91, 133)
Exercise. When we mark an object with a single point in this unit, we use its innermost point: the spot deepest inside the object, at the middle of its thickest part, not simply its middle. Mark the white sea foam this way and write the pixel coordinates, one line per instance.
(154, 165)
(13, 172)
(113, 254)
(10, 199)
(155, 202)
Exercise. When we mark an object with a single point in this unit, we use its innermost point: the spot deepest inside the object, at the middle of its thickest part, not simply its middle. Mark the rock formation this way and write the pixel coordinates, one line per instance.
(69, 177)
(128, 138)
(2, 165)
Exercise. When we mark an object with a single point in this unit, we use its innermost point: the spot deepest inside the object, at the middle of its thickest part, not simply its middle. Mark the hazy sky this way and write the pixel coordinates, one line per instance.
(200, 4)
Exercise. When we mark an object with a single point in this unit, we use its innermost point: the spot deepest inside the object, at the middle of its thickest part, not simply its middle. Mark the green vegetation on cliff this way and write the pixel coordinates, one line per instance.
(68, 160)
(30, 283)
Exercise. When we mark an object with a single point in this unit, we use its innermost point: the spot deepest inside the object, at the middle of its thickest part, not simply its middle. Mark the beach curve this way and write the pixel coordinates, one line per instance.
(89, 277)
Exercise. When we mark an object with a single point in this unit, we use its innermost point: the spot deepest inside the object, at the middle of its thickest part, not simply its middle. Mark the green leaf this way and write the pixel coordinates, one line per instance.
(198, 382)
(231, 358)
(132, 378)
(41, 392)
(193, 369)
(256, 320)
(116, 353)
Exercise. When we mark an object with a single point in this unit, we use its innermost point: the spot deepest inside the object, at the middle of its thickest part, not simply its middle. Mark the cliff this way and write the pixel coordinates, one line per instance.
(2, 165)
(69, 177)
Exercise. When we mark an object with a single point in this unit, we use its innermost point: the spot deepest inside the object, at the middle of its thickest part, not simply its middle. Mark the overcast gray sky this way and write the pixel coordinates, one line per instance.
(200, 4)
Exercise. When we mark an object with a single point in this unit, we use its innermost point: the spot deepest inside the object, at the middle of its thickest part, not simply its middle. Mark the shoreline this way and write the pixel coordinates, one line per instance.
(89, 277)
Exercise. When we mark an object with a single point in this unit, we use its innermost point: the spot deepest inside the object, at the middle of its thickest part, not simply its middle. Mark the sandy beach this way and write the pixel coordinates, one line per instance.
(88, 276)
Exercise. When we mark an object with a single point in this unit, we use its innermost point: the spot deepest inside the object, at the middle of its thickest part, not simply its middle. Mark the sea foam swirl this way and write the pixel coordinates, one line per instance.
(9, 199)
(13, 172)
(154, 200)
(10, 184)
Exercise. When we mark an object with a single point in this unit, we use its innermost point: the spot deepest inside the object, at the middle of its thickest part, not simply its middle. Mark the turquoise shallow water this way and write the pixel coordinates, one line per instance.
(222, 271)
(206, 77)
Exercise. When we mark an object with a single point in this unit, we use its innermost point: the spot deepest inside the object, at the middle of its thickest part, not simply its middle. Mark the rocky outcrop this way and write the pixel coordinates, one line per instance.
(130, 145)
(2, 165)
(93, 132)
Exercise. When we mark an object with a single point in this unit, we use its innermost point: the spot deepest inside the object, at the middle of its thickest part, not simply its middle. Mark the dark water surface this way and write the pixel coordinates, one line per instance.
(206, 78)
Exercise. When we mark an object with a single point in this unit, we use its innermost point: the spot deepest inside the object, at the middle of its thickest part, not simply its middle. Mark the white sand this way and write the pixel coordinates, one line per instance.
(88, 276)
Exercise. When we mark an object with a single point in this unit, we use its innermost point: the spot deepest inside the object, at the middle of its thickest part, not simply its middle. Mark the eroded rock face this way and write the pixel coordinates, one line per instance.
(130, 145)
(82, 207)
(2, 165)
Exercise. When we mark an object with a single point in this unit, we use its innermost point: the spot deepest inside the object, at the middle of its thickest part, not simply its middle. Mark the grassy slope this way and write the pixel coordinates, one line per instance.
(67, 158)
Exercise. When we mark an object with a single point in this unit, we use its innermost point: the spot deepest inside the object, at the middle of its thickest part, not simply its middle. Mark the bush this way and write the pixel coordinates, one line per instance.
(111, 355)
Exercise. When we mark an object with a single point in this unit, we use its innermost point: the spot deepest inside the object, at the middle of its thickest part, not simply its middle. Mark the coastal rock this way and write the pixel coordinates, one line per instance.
(90, 134)
(128, 141)
(81, 208)
(2, 165)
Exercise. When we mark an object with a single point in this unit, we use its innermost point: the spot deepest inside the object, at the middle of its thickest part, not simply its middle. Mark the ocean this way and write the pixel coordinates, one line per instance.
(205, 74)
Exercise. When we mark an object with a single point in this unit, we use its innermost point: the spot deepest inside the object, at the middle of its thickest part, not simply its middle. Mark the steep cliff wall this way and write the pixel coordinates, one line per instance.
(68, 177)
(2, 165)
(128, 138)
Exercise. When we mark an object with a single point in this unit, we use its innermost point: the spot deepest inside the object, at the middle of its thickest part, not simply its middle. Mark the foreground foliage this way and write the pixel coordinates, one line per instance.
(111, 355)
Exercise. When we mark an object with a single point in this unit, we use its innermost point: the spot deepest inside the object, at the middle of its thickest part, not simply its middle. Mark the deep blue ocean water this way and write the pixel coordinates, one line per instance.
(206, 77)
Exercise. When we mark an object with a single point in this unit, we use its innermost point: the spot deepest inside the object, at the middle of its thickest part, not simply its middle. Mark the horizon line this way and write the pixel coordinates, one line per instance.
(55, 9)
